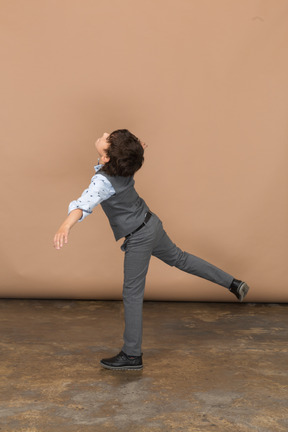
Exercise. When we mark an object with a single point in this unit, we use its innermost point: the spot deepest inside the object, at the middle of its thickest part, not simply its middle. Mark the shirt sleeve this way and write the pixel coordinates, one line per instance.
(100, 189)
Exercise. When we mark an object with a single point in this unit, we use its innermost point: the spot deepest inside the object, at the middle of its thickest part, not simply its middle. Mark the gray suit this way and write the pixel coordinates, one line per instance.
(126, 211)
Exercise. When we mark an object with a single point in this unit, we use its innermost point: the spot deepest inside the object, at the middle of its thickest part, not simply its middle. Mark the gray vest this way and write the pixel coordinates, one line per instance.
(125, 209)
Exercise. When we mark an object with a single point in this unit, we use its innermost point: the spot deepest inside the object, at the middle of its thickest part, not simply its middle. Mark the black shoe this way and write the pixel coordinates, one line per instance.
(239, 288)
(123, 362)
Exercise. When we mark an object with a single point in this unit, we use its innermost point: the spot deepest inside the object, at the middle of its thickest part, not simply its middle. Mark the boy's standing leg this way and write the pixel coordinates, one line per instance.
(138, 249)
(136, 263)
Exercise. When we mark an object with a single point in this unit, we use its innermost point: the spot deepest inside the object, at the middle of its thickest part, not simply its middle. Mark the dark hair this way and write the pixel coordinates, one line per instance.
(125, 152)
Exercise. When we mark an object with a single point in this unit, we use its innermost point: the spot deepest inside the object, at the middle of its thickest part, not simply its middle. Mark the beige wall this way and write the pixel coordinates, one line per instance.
(204, 83)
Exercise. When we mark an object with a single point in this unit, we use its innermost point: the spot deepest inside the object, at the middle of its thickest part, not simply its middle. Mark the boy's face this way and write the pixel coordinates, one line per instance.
(101, 146)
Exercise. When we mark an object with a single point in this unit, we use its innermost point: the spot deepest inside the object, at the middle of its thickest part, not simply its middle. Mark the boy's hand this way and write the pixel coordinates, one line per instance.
(61, 237)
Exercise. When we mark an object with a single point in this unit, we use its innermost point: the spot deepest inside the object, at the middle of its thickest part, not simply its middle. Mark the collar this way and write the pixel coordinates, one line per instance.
(97, 167)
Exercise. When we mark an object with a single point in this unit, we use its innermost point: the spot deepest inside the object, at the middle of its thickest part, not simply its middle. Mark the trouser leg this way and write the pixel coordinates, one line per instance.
(136, 263)
(168, 252)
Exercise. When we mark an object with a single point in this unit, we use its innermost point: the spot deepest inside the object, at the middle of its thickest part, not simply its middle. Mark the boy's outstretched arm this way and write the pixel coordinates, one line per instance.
(61, 235)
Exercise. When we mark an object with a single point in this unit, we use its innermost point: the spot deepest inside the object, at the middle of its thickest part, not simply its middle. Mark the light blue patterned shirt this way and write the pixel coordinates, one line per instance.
(100, 189)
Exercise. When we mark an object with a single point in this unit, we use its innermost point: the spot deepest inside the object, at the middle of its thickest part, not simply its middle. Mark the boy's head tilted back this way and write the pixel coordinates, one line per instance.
(125, 153)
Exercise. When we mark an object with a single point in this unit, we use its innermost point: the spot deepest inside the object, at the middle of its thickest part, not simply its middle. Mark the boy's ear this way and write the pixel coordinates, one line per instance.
(105, 158)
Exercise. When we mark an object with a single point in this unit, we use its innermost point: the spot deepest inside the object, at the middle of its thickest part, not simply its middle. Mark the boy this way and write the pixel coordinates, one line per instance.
(121, 155)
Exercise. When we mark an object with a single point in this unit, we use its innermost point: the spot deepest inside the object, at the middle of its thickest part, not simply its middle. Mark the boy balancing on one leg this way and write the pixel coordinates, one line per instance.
(121, 155)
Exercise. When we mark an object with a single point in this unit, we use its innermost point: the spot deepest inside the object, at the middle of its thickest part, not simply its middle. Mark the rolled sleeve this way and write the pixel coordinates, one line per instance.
(76, 205)
(99, 190)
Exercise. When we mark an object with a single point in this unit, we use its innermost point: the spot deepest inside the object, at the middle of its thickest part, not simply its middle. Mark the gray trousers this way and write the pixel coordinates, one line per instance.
(152, 240)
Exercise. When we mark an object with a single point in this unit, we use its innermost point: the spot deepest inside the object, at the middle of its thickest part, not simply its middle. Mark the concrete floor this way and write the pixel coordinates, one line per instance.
(212, 367)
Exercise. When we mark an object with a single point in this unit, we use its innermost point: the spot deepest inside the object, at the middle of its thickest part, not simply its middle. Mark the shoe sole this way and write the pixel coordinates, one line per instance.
(243, 290)
(139, 367)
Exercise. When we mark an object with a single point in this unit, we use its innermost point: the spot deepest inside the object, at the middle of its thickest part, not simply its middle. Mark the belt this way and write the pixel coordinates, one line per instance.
(147, 217)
